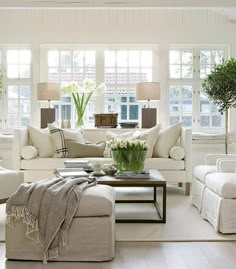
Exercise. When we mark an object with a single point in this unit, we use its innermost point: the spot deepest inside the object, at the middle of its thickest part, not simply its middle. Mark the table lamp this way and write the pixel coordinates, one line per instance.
(48, 91)
(148, 91)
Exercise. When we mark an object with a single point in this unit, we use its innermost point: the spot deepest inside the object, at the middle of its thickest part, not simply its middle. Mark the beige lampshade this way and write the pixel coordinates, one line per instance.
(49, 91)
(148, 91)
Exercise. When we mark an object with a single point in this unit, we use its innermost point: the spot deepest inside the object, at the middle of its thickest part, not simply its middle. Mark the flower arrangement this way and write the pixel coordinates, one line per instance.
(128, 154)
(82, 94)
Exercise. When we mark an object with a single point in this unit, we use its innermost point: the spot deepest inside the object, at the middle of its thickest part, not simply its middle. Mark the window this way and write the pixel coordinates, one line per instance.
(65, 66)
(123, 69)
(16, 66)
(119, 69)
(187, 103)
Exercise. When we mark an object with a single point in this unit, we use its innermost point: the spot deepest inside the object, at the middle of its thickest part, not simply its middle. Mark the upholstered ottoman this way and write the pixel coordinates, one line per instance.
(9, 183)
(219, 203)
(91, 235)
(198, 183)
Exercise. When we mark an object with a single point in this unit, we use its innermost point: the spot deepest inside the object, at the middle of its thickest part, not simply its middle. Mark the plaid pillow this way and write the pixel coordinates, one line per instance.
(58, 139)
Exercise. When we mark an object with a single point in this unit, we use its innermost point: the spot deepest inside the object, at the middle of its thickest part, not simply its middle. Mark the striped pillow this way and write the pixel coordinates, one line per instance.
(58, 139)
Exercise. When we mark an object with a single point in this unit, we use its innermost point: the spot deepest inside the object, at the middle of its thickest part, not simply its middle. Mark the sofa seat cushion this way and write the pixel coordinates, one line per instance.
(163, 164)
(223, 184)
(201, 171)
(52, 163)
(96, 201)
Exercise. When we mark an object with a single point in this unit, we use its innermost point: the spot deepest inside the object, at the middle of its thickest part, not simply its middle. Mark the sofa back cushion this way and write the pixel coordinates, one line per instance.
(167, 139)
(80, 150)
(42, 140)
(150, 135)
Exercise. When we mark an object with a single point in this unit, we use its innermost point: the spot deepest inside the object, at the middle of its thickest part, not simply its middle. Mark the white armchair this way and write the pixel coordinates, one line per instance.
(214, 191)
(213, 163)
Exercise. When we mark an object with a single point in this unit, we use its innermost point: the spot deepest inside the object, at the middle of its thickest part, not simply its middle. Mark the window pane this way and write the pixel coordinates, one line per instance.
(12, 92)
(25, 56)
(187, 71)
(25, 92)
(174, 120)
(25, 120)
(174, 57)
(12, 57)
(12, 106)
(146, 58)
(205, 121)
(175, 71)
(216, 121)
(24, 106)
(133, 112)
(123, 112)
(66, 58)
(89, 58)
(122, 58)
(12, 71)
(134, 58)
(53, 58)
(187, 121)
(110, 58)
(24, 71)
(187, 57)
(78, 58)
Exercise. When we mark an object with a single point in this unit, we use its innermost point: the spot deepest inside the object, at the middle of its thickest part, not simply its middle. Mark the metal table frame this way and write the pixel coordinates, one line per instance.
(161, 212)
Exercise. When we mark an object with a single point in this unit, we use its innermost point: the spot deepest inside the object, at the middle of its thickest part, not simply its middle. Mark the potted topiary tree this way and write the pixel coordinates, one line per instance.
(220, 86)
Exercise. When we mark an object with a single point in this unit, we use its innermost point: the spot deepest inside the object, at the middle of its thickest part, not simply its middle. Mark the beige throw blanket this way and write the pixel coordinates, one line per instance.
(47, 208)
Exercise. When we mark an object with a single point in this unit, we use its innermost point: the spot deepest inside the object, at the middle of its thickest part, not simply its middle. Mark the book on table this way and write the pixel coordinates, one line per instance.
(132, 175)
(75, 163)
(71, 172)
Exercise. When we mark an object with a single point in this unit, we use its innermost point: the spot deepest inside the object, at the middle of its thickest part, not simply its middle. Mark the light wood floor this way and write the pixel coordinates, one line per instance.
(148, 255)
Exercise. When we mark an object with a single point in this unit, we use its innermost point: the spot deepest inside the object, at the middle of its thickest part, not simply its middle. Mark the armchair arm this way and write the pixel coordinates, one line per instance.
(20, 140)
(226, 165)
(186, 143)
(210, 159)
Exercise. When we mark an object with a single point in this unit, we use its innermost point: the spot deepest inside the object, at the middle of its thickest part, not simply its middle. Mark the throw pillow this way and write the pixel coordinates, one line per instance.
(42, 141)
(80, 150)
(29, 152)
(166, 140)
(177, 153)
(111, 135)
(58, 138)
(150, 136)
(71, 134)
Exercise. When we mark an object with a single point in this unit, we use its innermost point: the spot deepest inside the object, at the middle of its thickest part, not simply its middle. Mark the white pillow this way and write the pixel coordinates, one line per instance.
(74, 134)
(110, 135)
(177, 153)
(150, 136)
(42, 141)
(70, 134)
(166, 140)
(29, 152)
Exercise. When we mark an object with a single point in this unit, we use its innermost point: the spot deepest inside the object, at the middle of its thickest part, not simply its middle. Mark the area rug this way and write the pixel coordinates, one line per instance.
(183, 220)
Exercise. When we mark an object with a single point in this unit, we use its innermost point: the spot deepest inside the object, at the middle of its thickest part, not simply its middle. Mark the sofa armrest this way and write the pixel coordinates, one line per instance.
(186, 143)
(226, 165)
(21, 139)
(211, 159)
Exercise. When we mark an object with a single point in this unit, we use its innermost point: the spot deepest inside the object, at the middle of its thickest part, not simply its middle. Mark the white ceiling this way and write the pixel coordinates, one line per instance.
(227, 8)
(118, 3)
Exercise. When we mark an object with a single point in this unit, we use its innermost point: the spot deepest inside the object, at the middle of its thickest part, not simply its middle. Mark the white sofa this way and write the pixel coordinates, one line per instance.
(39, 168)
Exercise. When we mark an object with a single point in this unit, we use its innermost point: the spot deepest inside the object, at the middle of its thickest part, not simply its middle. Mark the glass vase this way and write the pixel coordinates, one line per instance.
(127, 160)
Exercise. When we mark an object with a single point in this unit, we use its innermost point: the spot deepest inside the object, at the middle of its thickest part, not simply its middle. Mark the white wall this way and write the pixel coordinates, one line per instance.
(163, 27)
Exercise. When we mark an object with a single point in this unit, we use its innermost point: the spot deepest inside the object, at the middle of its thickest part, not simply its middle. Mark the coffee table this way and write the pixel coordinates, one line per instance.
(156, 180)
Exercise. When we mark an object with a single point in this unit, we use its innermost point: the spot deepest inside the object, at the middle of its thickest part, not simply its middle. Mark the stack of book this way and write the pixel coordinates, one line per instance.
(75, 163)
(130, 174)
(71, 172)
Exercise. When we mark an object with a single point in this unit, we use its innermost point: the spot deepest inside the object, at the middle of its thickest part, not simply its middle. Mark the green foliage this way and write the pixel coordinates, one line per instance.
(220, 85)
